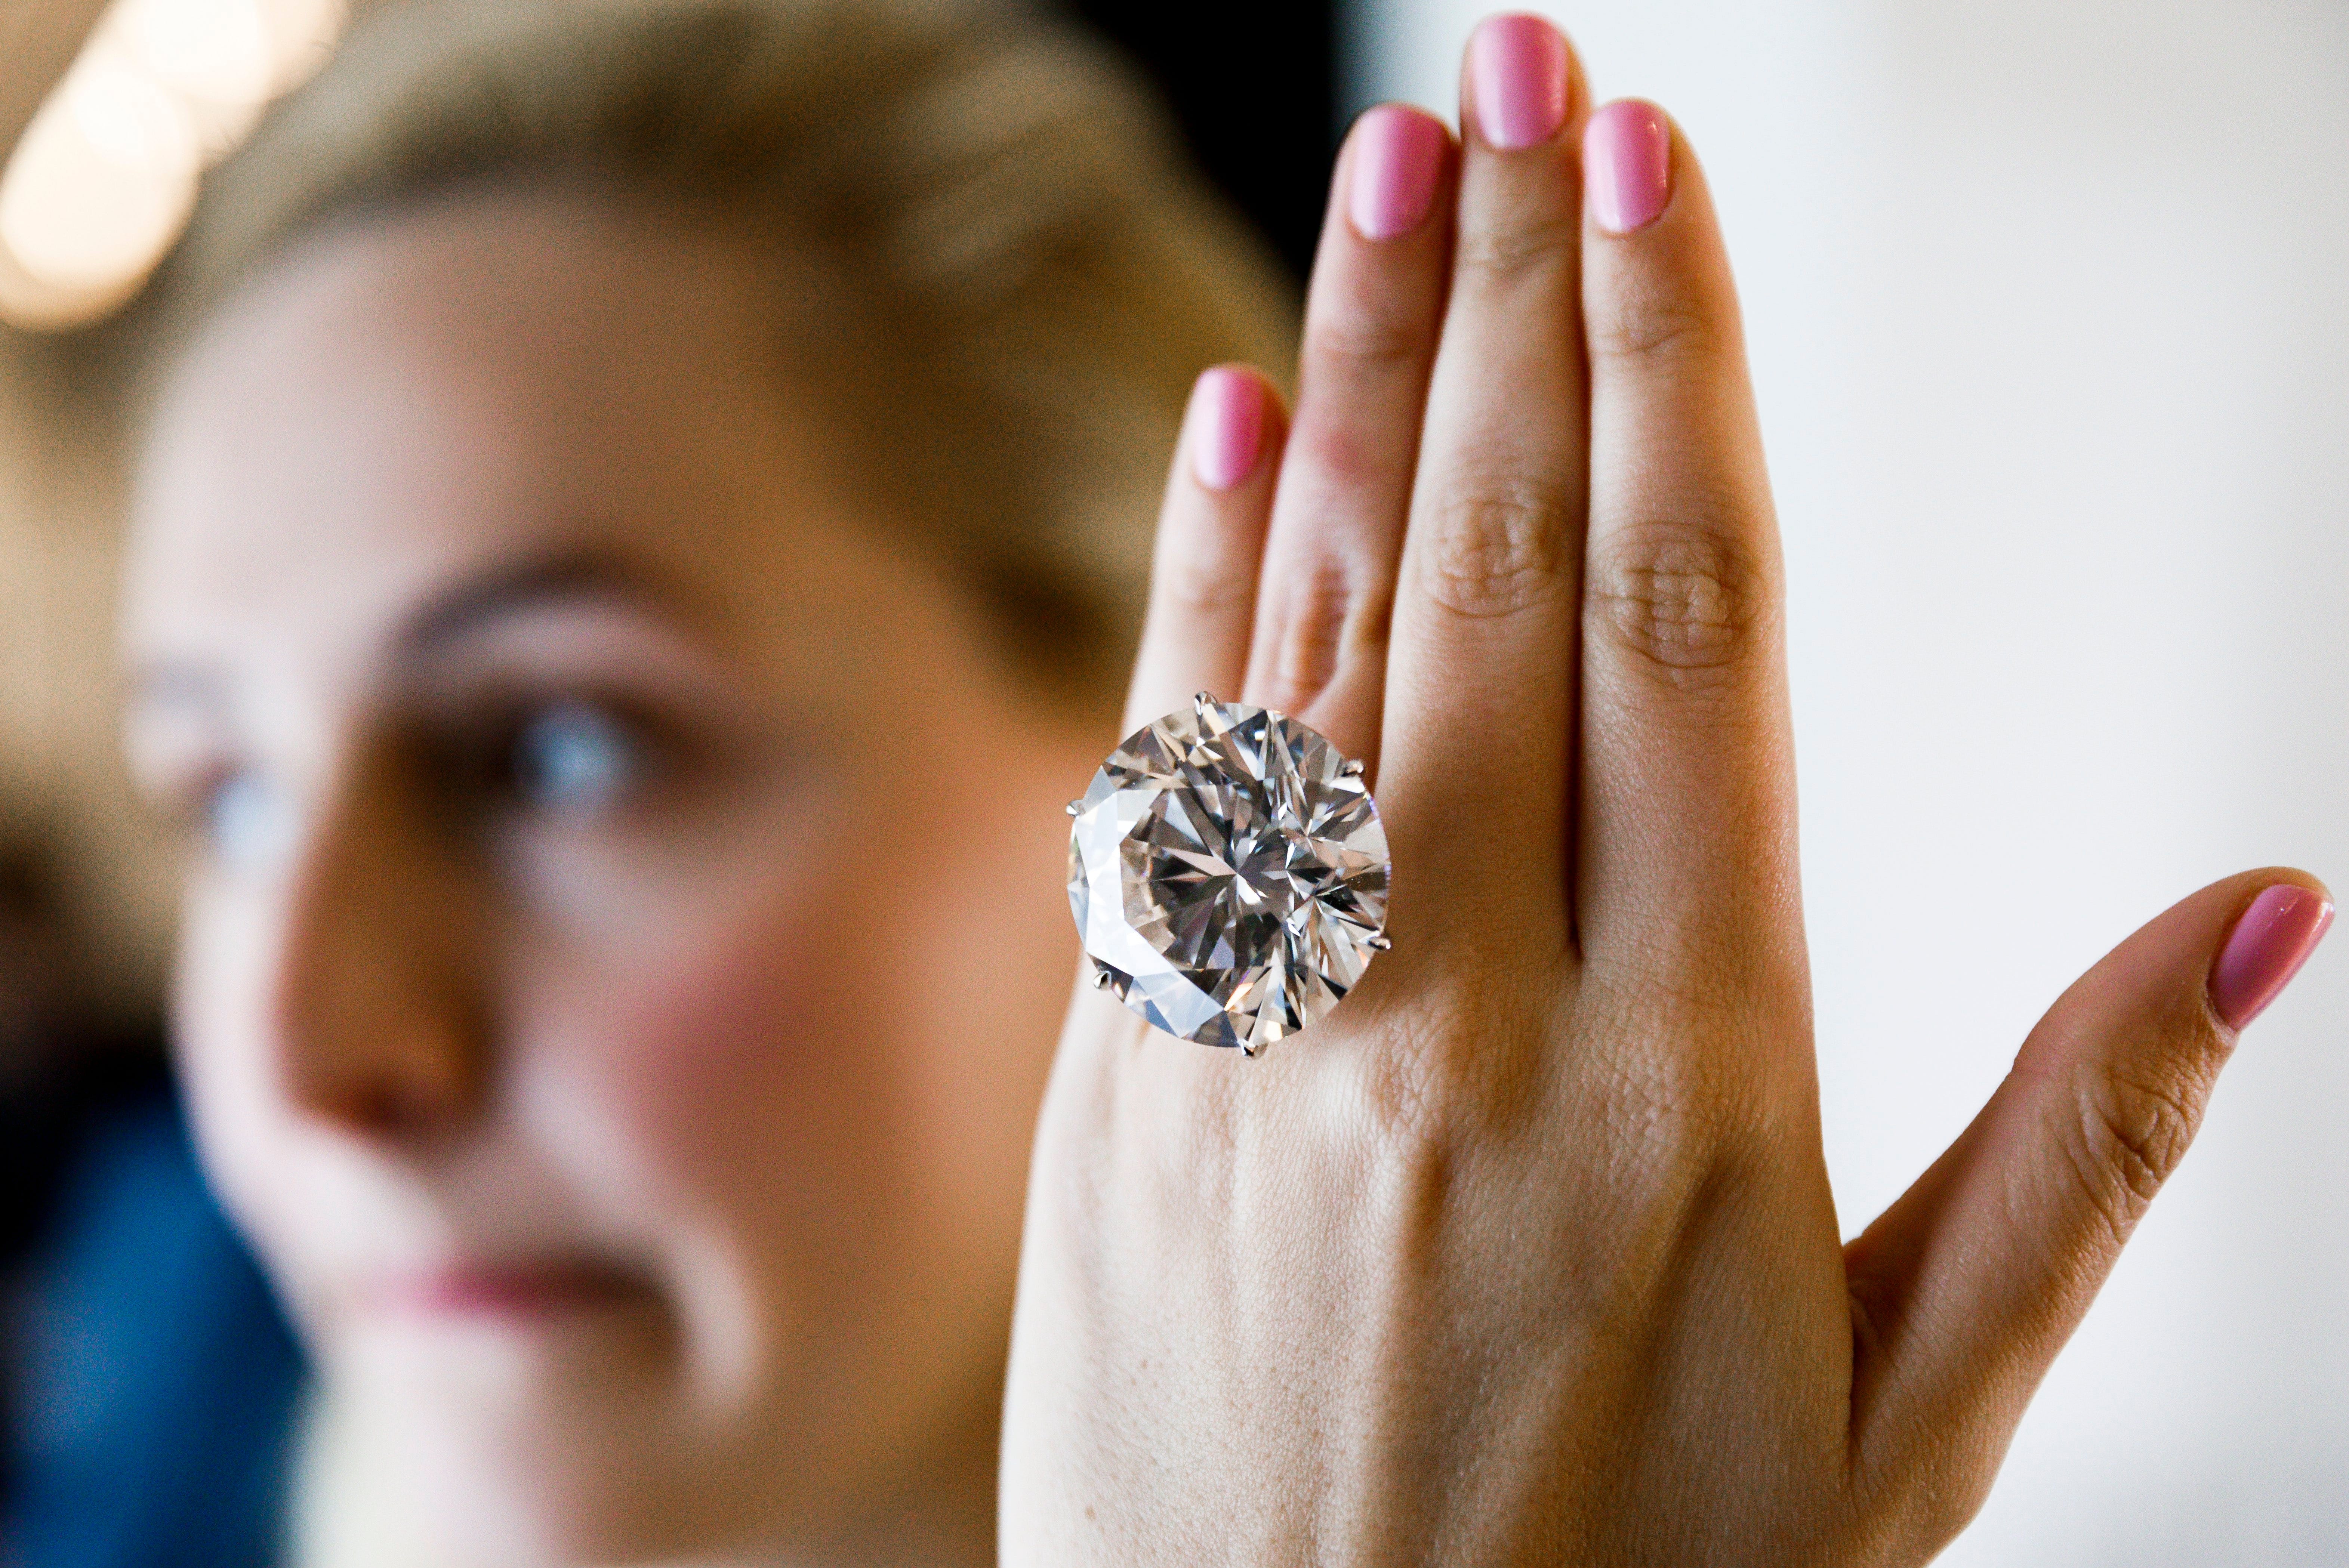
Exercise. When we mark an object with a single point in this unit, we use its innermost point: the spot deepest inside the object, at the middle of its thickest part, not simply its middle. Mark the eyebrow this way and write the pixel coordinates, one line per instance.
(572, 576)
(569, 576)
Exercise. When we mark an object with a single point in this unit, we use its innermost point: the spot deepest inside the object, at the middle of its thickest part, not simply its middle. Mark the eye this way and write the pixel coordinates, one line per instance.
(244, 820)
(577, 757)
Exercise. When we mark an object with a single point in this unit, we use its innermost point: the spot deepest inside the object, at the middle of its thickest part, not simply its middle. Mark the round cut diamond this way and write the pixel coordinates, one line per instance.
(1229, 873)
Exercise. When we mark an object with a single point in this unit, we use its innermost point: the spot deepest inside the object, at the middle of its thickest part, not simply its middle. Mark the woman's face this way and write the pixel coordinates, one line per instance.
(622, 940)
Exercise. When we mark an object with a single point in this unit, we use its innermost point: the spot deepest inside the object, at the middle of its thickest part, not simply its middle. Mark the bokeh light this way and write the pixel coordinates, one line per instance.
(104, 177)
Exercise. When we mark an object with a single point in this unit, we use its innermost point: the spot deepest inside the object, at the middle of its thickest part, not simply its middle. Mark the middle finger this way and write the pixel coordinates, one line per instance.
(1480, 684)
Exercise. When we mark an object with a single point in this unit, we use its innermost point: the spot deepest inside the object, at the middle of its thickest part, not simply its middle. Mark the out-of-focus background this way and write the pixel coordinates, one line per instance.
(2048, 313)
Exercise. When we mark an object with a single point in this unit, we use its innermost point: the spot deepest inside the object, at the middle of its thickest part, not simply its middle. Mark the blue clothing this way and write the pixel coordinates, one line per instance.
(151, 1382)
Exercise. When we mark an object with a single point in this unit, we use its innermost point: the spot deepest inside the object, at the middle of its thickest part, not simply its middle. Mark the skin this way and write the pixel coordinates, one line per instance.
(623, 934)
(1525, 1254)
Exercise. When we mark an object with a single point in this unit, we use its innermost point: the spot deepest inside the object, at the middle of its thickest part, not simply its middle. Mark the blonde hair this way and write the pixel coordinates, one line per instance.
(1029, 275)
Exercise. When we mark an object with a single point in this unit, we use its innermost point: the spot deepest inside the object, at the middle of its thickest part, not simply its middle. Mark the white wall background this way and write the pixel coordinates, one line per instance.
(2049, 302)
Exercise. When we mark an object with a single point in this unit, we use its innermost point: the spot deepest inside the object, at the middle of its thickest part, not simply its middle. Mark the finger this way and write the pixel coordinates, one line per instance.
(1965, 1289)
(1481, 669)
(1211, 529)
(1371, 320)
(1687, 818)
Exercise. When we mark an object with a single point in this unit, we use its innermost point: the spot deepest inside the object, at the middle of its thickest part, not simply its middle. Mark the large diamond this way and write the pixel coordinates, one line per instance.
(1228, 875)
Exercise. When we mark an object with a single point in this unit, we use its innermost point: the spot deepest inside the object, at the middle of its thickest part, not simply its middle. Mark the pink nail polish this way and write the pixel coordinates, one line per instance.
(1227, 426)
(1627, 165)
(1398, 154)
(1517, 71)
(2266, 949)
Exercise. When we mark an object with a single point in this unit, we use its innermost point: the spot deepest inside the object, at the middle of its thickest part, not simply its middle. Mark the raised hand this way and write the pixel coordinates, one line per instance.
(1525, 1254)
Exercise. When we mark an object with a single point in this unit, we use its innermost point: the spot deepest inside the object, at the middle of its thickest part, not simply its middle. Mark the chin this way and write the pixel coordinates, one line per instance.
(476, 1448)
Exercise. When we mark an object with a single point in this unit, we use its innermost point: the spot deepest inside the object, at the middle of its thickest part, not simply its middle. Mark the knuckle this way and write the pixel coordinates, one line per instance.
(2132, 1134)
(1684, 598)
(1918, 1479)
(1669, 1102)
(1335, 459)
(1518, 242)
(1203, 590)
(1914, 1509)
(1356, 338)
(1662, 1102)
(1403, 1100)
(1656, 327)
(1463, 1062)
(1312, 630)
(1495, 548)
(1415, 1094)
(1669, 1129)
(1941, 1513)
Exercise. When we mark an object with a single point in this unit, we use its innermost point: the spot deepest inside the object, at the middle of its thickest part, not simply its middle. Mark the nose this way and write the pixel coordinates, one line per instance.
(378, 1004)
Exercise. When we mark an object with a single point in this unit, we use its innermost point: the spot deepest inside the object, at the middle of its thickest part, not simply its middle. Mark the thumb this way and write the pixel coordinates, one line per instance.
(1965, 1288)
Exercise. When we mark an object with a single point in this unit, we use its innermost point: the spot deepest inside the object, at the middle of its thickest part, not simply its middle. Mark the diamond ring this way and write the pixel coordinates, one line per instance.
(1228, 872)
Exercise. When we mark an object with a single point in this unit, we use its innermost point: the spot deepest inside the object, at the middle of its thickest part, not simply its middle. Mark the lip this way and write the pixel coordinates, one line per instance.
(525, 1292)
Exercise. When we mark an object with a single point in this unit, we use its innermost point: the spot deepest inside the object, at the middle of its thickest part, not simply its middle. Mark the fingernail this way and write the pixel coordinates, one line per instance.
(1518, 69)
(1398, 152)
(2266, 949)
(1227, 426)
(1627, 165)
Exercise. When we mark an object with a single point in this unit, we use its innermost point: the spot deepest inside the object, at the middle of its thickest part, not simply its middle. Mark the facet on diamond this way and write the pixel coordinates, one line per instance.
(1228, 872)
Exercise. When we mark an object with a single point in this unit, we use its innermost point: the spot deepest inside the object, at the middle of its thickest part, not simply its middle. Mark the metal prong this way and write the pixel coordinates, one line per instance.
(1353, 767)
(1075, 807)
(1381, 943)
(1101, 979)
(1204, 699)
(1247, 1050)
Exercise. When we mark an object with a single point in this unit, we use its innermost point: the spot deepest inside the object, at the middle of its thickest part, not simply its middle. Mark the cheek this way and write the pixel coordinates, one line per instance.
(998, 955)
(747, 1058)
(835, 1064)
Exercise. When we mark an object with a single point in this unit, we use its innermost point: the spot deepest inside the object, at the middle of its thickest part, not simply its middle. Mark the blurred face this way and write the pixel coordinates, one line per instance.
(622, 940)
